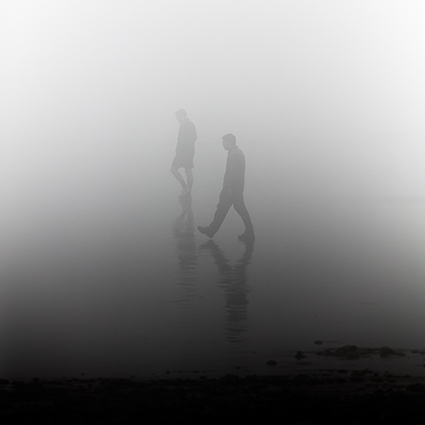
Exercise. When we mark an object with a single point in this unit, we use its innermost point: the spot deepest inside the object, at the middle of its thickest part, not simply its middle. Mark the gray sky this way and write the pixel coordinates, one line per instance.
(89, 89)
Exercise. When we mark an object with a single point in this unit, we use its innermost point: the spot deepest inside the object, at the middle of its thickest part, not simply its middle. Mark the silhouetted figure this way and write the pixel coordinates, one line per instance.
(232, 192)
(185, 151)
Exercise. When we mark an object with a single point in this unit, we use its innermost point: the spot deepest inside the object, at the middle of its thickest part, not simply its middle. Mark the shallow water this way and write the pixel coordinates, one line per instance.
(126, 285)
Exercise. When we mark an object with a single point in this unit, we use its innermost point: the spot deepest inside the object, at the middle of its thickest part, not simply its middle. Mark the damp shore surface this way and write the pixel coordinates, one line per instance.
(330, 385)
(319, 318)
(357, 397)
(138, 315)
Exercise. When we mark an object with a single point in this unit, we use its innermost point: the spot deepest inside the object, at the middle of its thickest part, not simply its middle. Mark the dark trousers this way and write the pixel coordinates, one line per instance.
(223, 206)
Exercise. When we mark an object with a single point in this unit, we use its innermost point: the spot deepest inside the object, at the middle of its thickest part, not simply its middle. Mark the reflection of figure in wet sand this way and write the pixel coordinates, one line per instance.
(233, 282)
(185, 152)
(183, 229)
(232, 192)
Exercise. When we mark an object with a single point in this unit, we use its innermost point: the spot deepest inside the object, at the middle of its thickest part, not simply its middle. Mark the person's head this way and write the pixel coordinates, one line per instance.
(181, 115)
(229, 141)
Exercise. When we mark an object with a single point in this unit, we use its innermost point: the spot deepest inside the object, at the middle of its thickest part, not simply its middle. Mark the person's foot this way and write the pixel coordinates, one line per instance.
(208, 245)
(185, 191)
(206, 231)
(248, 235)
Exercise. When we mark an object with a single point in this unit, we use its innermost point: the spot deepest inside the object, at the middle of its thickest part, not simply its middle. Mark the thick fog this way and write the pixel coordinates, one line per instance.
(326, 99)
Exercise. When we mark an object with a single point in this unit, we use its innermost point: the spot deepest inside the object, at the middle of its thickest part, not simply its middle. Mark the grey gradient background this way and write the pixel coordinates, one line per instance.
(326, 99)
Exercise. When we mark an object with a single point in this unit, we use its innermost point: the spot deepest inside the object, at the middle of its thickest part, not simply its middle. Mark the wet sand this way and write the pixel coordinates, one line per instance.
(213, 331)
(346, 394)
(355, 398)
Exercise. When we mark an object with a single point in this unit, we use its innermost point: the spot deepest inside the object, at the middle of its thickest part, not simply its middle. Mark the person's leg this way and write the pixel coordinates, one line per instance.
(189, 177)
(223, 207)
(240, 207)
(178, 176)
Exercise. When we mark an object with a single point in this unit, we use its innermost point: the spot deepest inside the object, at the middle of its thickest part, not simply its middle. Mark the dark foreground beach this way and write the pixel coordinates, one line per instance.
(357, 398)
(335, 396)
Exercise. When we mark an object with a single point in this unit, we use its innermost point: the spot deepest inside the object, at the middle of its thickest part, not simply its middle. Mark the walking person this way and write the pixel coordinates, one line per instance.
(232, 192)
(185, 152)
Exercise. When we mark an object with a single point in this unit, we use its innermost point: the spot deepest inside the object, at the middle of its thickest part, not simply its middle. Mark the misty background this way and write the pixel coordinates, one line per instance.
(326, 99)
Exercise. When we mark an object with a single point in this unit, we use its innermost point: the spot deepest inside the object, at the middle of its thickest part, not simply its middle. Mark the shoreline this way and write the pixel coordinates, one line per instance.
(384, 359)
(356, 397)
(343, 391)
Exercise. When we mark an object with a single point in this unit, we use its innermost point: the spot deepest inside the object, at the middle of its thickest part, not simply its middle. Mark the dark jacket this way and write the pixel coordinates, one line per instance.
(234, 177)
(186, 137)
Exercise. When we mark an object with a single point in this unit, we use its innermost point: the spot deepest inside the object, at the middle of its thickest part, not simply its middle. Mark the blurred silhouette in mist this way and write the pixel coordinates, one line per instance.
(233, 282)
(185, 151)
(232, 192)
(184, 235)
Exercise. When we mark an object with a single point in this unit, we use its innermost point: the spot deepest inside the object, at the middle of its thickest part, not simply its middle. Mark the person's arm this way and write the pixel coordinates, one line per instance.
(233, 179)
(187, 133)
